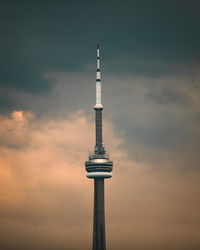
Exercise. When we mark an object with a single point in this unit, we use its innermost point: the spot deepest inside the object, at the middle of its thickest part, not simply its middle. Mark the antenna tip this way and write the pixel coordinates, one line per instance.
(97, 45)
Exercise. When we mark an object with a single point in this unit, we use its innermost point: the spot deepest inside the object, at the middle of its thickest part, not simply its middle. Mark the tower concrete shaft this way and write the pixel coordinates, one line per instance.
(99, 236)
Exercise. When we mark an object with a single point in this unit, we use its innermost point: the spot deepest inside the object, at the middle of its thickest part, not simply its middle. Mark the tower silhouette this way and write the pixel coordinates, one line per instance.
(99, 167)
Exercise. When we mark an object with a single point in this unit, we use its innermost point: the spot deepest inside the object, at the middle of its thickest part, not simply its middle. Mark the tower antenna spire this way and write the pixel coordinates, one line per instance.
(98, 104)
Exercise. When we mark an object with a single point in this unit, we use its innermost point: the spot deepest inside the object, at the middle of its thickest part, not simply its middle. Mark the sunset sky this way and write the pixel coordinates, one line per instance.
(150, 64)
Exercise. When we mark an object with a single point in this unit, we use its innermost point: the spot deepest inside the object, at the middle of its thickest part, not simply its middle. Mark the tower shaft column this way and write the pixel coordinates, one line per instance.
(99, 238)
(98, 120)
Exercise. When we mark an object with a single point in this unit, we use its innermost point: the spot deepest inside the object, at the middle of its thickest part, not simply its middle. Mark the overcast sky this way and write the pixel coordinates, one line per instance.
(150, 63)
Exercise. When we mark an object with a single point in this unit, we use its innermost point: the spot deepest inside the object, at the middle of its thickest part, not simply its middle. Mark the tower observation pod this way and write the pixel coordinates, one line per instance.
(99, 167)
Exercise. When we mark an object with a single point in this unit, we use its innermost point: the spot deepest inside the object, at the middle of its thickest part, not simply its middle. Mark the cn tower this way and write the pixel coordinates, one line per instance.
(99, 167)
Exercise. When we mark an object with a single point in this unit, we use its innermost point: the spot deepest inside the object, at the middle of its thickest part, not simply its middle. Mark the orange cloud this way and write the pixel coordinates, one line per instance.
(46, 201)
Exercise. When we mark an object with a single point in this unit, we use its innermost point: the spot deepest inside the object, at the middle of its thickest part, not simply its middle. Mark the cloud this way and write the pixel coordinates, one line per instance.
(133, 39)
(46, 200)
(151, 127)
(44, 191)
(157, 115)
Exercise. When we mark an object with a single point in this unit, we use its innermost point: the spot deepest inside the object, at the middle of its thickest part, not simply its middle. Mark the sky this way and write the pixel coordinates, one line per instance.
(150, 64)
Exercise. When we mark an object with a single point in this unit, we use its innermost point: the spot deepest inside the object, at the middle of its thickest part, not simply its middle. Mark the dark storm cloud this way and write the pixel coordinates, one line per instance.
(5, 103)
(168, 96)
(143, 37)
